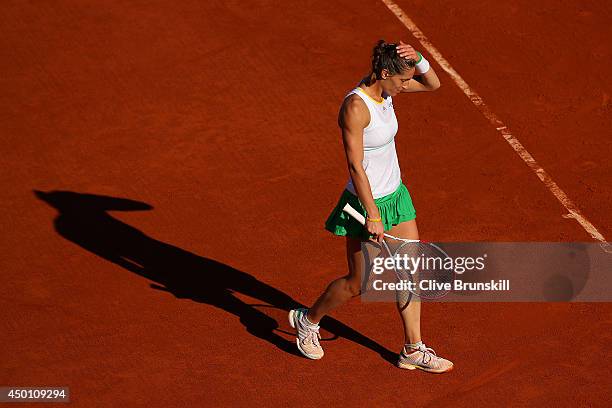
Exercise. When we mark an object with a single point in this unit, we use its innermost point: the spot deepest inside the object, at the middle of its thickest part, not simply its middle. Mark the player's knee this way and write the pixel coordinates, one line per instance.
(354, 287)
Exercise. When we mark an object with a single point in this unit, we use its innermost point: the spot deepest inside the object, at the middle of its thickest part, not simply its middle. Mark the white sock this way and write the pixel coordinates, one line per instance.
(413, 346)
(309, 323)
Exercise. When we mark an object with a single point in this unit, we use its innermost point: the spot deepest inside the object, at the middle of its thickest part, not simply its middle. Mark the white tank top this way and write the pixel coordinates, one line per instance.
(379, 156)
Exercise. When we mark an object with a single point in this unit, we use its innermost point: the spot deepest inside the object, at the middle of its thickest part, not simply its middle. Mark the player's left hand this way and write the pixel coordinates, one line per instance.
(406, 51)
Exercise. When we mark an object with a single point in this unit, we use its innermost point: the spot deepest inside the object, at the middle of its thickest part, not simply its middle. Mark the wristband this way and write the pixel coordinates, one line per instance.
(374, 219)
(422, 65)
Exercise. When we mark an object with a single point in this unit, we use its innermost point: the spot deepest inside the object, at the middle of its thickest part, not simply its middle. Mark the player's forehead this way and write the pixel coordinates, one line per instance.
(406, 74)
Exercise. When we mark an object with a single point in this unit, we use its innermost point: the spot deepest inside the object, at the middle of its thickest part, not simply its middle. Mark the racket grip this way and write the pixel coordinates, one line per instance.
(354, 213)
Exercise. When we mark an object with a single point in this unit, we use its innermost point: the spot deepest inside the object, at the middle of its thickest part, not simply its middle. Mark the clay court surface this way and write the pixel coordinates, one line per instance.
(197, 153)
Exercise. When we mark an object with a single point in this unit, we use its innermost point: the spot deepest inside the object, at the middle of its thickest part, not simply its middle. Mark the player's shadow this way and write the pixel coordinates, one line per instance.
(84, 220)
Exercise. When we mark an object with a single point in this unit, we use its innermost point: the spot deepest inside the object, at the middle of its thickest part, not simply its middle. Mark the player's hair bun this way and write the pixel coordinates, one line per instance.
(385, 56)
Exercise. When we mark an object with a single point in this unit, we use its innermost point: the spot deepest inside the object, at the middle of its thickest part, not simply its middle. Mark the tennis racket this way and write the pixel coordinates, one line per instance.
(423, 264)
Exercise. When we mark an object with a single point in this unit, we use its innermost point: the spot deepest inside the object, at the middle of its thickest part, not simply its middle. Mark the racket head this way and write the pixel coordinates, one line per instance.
(423, 264)
(430, 268)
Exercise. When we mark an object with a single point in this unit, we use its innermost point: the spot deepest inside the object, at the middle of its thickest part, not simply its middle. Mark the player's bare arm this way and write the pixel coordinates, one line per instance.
(425, 82)
(353, 118)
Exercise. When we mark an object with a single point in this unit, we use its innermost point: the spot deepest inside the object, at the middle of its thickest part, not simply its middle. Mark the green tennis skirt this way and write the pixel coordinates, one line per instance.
(394, 208)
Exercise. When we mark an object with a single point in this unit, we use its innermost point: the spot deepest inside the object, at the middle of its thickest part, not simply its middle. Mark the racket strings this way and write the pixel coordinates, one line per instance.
(422, 267)
(431, 272)
(423, 264)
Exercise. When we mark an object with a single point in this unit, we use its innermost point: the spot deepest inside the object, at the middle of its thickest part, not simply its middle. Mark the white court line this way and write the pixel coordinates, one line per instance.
(573, 211)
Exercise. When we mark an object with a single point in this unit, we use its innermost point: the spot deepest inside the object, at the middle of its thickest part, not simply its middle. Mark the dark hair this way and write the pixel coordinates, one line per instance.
(385, 56)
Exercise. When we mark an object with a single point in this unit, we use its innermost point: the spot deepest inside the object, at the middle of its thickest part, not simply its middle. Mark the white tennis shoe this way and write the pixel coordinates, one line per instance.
(423, 358)
(307, 337)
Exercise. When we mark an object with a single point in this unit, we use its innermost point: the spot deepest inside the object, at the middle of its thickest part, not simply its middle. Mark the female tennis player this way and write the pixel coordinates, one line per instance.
(375, 188)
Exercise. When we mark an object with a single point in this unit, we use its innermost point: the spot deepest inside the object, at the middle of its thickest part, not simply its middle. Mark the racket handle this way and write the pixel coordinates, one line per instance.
(361, 219)
(354, 213)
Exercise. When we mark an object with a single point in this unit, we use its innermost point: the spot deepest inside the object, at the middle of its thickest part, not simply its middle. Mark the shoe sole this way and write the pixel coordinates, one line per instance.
(292, 322)
(429, 370)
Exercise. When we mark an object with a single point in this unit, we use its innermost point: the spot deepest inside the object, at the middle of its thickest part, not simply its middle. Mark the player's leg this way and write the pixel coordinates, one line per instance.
(410, 313)
(415, 354)
(344, 288)
(306, 322)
